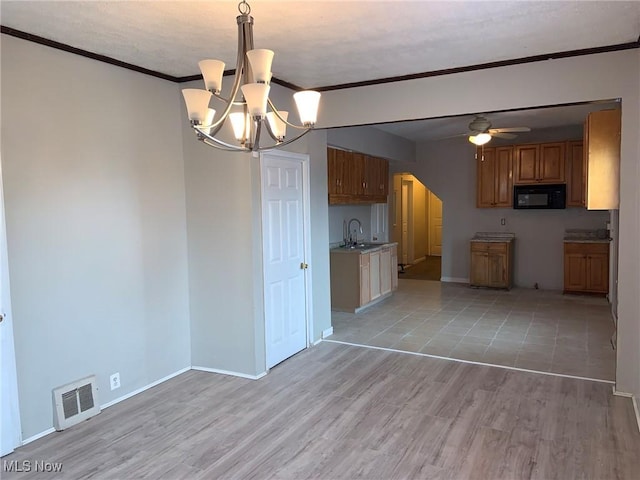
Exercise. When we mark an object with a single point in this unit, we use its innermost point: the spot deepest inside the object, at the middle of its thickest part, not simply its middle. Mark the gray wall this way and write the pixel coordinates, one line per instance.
(225, 244)
(448, 168)
(95, 211)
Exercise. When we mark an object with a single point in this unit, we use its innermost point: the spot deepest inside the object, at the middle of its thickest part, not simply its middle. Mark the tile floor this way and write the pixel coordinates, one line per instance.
(525, 328)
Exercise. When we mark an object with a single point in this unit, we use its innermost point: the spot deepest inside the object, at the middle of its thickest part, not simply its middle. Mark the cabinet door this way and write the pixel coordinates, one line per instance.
(503, 181)
(479, 274)
(575, 271)
(374, 274)
(394, 267)
(525, 163)
(551, 163)
(598, 272)
(371, 176)
(485, 178)
(575, 174)
(385, 271)
(365, 279)
(335, 170)
(383, 177)
(602, 150)
(357, 179)
(497, 269)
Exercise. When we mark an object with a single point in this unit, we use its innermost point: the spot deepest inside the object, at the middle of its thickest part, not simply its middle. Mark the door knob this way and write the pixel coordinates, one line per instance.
(1, 317)
(303, 266)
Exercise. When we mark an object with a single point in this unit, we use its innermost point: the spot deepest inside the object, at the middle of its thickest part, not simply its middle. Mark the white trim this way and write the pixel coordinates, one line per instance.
(317, 342)
(146, 387)
(472, 362)
(618, 393)
(304, 160)
(634, 401)
(38, 436)
(327, 332)
(228, 372)
(454, 279)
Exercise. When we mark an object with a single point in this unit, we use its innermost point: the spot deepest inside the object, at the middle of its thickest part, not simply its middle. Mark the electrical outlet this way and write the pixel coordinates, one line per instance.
(503, 221)
(114, 381)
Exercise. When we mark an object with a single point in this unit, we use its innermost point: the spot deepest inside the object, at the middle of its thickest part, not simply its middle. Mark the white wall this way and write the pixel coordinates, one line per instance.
(551, 82)
(95, 210)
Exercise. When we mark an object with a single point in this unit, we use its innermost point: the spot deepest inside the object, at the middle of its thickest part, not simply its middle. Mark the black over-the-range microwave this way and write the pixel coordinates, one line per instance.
(539, 196)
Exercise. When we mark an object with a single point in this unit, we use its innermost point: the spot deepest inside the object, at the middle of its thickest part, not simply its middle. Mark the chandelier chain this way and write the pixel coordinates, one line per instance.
(244, 8)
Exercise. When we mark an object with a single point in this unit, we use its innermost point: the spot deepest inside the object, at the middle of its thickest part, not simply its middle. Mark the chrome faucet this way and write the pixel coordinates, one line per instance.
(354, 240)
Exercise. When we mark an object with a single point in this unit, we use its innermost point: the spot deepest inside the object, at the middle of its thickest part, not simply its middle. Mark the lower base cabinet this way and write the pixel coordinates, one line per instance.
(491, 264)
(586, 268)
(361, 278)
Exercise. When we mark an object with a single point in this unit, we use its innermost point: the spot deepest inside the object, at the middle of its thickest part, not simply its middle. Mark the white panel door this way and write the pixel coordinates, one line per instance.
(283, 257)
(10, 417)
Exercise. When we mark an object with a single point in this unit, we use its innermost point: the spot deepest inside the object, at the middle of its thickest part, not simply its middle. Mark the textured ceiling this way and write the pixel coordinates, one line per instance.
(324, 43)
(327, 43)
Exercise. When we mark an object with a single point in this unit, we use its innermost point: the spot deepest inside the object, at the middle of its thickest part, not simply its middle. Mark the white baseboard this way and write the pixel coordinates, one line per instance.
(634, 401)
(112, 402)
(327, 332)
(146, 387)
(227, 372)
(38, 436)
(454, 280)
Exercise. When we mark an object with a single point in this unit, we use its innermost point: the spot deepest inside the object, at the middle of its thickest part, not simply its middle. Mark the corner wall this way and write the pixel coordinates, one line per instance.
(95, 211)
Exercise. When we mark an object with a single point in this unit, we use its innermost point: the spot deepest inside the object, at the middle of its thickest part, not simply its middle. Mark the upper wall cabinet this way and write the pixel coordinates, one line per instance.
(602, 159)
(494, 178)
(355, 178)
(575, 175)
(539, 163)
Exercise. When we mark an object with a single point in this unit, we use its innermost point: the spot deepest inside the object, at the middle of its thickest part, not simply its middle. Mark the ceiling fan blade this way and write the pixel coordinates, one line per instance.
(509, 129)
(503, 135)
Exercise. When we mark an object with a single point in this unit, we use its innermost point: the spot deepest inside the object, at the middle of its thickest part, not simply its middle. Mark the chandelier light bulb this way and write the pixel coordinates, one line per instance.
(256, 95)
(239, 123)
(278, 127)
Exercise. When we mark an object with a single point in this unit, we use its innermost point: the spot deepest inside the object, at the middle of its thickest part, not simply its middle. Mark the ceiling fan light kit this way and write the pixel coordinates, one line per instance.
(482, 133)
(247, 106)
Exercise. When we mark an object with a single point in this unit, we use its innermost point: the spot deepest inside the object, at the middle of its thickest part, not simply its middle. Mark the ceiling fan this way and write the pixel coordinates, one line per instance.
(480, 131)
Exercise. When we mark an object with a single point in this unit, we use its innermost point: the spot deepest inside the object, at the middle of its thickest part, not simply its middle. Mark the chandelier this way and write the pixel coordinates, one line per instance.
(248, 107)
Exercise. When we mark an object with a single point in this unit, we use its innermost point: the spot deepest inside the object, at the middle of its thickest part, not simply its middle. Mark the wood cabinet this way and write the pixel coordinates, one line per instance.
(359, 279)
(356, 178)
(575, 175)
(539, 163)
(602, 159)
(491, 264)
(494, 178)
(586, 268)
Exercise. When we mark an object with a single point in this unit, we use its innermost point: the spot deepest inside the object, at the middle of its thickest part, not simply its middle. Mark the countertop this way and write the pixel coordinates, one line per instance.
(493, 237)
(363, 248)
(580, 235)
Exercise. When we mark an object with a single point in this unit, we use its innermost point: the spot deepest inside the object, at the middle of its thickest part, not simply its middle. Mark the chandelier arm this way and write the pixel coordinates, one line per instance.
(256, 141)
(282, 144)
(271, 134)
(214, 142)
(275, 110)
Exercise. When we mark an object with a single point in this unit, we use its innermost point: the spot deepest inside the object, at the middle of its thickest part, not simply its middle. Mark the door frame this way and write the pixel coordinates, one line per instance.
(303, 159)
(10, 400)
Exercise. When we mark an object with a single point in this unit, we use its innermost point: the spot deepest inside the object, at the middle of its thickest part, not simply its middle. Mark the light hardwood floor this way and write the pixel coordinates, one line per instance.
(339, 411)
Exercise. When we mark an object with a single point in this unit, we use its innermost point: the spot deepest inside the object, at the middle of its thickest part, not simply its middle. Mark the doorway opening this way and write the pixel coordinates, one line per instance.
(417, 228)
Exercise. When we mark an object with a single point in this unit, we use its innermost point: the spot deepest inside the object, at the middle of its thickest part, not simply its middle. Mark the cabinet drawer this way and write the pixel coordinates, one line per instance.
(586, 248)
(498, 247)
